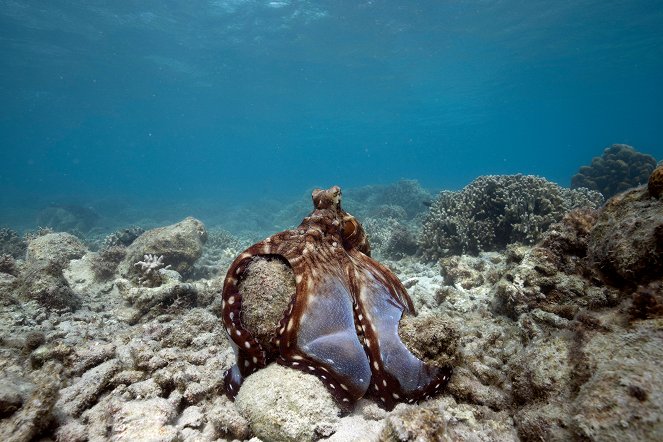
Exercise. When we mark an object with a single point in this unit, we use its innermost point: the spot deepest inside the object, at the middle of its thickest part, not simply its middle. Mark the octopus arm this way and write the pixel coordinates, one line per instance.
(249, 353)
(385, 278)
(319, 337)
(397, 375)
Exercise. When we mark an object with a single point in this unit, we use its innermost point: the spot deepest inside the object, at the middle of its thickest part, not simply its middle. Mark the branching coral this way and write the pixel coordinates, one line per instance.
(123, 237)
(149, 269)
(618, 169)
(11, 243)
(494, 211)
(8, 265)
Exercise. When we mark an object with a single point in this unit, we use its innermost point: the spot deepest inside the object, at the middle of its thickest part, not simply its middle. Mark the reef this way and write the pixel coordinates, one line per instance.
(494, 211)
(618, 169)
(547, 340)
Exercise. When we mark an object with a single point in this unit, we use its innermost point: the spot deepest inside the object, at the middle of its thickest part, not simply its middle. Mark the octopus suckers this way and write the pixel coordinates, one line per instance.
(376, 365)
(247, 344)
(395, 396)
(344, 387)
(231, 300)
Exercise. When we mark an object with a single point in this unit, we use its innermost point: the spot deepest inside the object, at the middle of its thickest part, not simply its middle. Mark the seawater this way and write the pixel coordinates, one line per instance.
(187, 107)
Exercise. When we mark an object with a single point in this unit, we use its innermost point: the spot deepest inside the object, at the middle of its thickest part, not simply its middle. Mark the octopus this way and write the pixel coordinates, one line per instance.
(341, 324)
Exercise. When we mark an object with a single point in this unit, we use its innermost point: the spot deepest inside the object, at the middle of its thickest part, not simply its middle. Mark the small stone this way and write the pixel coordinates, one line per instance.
(10, 399)
(144, 420)
(192, 417)
(282, 404)
(74, 399)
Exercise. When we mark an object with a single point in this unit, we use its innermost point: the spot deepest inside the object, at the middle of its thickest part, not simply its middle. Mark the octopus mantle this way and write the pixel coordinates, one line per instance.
(342, 322)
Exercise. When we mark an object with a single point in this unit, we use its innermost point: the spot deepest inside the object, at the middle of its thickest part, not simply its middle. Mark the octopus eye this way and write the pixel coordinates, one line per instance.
(349, 228)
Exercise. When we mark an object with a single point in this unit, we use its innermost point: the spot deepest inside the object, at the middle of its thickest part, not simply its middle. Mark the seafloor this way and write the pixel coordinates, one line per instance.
(554, 327)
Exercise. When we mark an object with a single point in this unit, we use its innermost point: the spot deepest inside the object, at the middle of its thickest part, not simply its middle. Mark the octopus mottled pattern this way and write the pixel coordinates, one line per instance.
(342, 322)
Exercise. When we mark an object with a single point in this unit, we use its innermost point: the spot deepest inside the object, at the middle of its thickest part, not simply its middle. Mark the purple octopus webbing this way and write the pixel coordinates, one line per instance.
(342, 322)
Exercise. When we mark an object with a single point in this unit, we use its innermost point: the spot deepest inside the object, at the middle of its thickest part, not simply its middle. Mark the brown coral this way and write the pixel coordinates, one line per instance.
(655, 183)
(618, 169)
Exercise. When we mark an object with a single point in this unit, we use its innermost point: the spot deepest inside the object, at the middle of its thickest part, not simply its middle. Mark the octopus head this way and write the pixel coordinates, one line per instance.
(327, 199)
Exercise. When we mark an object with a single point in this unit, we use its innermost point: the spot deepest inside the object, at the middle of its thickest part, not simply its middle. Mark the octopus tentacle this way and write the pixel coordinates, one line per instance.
(250, 355)
(381, 273)
(397, 375)
(321, 331)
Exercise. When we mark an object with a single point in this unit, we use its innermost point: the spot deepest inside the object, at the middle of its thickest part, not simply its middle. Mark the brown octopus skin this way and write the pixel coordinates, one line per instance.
(342, 322)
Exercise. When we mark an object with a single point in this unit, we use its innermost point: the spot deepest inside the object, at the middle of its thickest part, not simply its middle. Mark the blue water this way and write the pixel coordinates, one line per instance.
(171, 102)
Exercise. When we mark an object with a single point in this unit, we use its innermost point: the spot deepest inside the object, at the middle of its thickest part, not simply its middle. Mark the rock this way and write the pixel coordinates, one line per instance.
(44, 282)
(72, 431)
(59, 247)
(227, 421)
(626, 243)
(623, 398)
(430, 339)
(554, 276)
(410, 424)
(477, 423)
(191, 417)
(282, 404)
(146, 389)
(356, 428)
(148, 420)
(35, 414)
(172, 293)
(76, 398)
(541, 371)
(180, 245)
(10, 399)
(655, 183)
(267, 288)
(92, 354)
